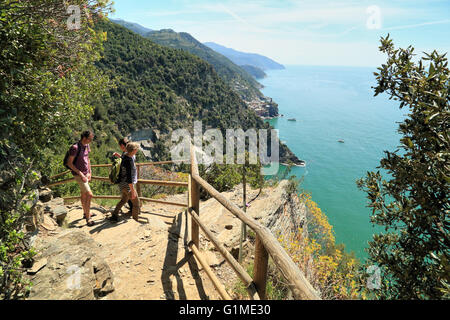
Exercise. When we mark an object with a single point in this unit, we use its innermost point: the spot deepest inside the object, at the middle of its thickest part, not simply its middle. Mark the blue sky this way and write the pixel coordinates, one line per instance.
(320, 32)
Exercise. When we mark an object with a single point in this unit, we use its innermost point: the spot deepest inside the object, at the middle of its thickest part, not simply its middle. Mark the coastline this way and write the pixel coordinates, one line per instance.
(332, 167)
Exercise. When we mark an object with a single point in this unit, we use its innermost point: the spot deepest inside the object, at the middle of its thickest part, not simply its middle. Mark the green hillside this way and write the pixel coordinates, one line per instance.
(162, 88)
(254, 71)
(238, 78)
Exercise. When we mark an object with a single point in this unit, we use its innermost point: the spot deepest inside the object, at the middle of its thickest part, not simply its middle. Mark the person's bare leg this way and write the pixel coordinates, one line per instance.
(89, 196)
(84, 205)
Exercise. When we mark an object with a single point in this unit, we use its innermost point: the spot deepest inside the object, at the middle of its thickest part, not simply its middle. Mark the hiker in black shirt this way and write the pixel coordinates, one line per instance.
(123, 146)
(127, 184)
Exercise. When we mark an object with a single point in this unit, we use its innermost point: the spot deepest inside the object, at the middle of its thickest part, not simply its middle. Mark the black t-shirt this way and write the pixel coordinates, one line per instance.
(128, 172)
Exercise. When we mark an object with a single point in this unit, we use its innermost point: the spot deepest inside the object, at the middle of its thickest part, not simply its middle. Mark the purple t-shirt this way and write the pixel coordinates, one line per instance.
(82, 162)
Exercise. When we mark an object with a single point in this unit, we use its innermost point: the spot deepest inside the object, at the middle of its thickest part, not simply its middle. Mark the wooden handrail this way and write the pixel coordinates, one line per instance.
(240, 271)
(194, 203)
(164, 183)
(169, 203)
(93, 197)
(161, 162)
(223, 293)
(143, 164)
(59, 174)
(184, 205)
(107, 165)
(299, 285)
(60, 182)
(153, 182)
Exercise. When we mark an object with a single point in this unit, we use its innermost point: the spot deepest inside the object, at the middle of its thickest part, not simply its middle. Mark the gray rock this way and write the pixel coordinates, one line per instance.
(49, 224)
(34, 217)
(49, 206)
(30, 237)
(38, 212)
(59, 213)
(211, 259)
(74, 269)
(38, 265)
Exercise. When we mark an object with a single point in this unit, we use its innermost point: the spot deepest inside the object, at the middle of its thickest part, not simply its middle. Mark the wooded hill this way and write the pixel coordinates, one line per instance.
(163, 88)
(243, 83)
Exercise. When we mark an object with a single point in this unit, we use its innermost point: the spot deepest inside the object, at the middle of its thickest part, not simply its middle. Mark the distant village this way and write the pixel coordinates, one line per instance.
(264, 107)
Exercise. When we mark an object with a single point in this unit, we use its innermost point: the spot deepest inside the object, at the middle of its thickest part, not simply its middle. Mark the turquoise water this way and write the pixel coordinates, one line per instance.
(329, 104)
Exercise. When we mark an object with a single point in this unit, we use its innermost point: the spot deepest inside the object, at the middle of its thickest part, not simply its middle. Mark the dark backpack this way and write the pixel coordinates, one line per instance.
(66, 158)
(114, 174)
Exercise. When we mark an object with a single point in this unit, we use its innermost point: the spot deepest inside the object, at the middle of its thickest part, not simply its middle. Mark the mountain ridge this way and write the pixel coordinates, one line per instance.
(243, 58)
(224, 67)
(241, 81)
(165, 88)
(133, 26)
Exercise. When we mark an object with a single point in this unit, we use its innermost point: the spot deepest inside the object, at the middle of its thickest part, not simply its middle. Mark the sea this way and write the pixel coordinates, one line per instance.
(331, 104)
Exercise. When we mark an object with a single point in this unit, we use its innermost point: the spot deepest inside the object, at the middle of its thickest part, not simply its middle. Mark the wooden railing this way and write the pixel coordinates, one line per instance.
(138, 186)
(266, 244)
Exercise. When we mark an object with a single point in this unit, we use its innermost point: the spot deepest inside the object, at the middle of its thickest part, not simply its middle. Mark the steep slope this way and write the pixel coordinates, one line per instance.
(164, 88)
(239, 79)
(254, 71)
(242, 58)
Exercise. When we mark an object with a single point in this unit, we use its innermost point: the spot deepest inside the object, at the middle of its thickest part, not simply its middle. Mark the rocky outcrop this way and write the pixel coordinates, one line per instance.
(34, 217)
(70, 268)
(274, 208)
(47, 205)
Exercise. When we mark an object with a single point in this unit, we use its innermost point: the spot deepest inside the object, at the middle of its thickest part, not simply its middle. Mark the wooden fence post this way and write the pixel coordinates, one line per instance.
(243, 225)
(138, 185)
(195, 201)
(260, 268)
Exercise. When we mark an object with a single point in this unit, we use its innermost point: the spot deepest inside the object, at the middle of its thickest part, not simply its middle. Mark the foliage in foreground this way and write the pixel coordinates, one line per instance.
(329, 269)
(413, 206)
(47, 85)
(333, 272)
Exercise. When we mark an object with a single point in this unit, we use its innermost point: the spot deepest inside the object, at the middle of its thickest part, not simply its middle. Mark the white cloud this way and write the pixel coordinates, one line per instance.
(298, 32)
(410, 26)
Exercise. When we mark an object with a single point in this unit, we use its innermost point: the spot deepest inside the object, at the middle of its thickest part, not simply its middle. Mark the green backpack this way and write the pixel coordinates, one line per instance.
(114, 174)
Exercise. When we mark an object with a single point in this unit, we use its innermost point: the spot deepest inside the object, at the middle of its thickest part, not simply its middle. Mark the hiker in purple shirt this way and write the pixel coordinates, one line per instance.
(81, 169)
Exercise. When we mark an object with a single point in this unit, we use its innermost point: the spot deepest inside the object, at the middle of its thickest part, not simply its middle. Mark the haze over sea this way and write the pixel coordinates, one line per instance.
(330, 104)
